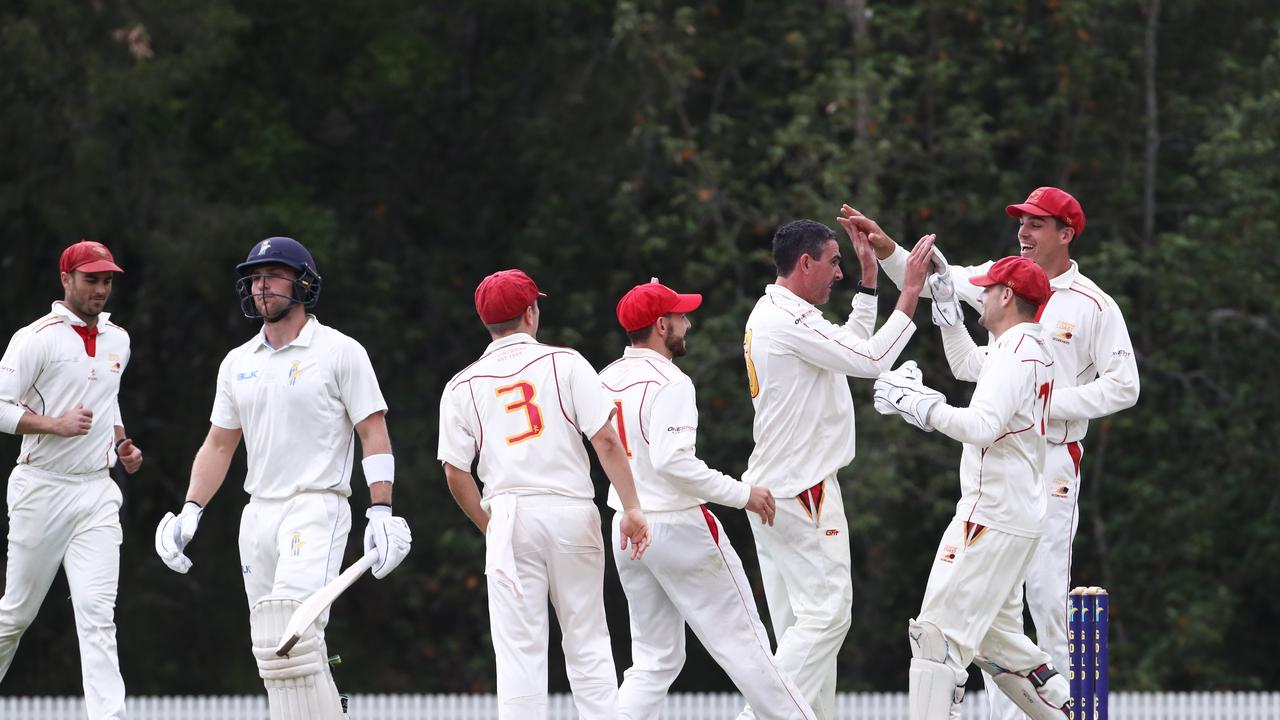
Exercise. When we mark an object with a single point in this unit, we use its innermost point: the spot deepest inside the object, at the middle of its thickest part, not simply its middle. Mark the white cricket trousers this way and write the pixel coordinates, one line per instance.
(692, 574)
(559, 554)
(293, 547)
(974, 596)
(1049, 575)
(805, 566)
(73, 521)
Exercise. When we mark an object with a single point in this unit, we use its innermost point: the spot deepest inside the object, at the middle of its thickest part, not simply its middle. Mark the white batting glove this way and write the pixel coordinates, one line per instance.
(390, 535)
(902, 392)
(174, 532)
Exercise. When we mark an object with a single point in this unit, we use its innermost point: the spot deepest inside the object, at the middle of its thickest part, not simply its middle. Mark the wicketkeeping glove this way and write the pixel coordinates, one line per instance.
(174, 532)
(902, 392)
(390, 535)
(946, 310)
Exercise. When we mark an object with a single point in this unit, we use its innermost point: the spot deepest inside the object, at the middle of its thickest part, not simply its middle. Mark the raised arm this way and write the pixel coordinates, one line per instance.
(964, 355)
(839, 349)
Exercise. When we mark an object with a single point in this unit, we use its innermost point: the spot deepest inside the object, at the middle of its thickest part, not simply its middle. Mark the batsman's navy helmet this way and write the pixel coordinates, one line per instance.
(279, 251)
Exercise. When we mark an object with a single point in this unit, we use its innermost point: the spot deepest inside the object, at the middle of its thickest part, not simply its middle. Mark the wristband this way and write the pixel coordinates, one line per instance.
(119, 442)
(866, 290)
(379, 468)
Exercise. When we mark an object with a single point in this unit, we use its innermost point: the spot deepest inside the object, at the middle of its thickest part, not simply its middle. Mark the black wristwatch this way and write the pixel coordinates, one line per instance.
(864, 289)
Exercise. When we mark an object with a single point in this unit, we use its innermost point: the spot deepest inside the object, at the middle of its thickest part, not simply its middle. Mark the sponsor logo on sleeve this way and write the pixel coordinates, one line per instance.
(676, 429)
(1064, 331)
(295, 544)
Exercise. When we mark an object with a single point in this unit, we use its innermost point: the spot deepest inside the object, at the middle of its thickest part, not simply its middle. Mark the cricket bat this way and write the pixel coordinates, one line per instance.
(321, 599)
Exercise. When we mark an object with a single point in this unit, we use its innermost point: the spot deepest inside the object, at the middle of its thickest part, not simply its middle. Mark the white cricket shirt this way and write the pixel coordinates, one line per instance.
(1096, 370)
(298, 407)
(657, 419)
(797, 365)
(1003, 431)
(524, 408)
(47, 370)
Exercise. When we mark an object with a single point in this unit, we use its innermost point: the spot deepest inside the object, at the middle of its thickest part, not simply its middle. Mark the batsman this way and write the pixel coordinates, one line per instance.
(298, 393)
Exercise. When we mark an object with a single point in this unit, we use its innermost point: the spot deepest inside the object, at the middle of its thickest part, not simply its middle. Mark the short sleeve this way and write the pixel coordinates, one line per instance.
(357, 383)
(582, 391)
(226, 414)
(458, 444)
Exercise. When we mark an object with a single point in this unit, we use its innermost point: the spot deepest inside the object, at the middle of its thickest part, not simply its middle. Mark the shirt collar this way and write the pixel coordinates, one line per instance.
(65, 313)
(512, 339)
(776, 289)
(304, 338)
(1063, 281)
(645, 353)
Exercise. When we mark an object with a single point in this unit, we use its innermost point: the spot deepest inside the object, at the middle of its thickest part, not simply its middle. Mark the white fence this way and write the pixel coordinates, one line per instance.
(690, 706)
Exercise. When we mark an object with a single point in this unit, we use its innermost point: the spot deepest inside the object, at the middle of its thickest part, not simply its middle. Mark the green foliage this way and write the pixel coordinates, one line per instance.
(417, 147)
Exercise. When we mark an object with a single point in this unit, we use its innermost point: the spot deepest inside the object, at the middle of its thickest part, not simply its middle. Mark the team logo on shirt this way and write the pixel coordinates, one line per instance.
(1064, 331)
(1061, 489)
(295, 544)
(295, 372)
(114, 360)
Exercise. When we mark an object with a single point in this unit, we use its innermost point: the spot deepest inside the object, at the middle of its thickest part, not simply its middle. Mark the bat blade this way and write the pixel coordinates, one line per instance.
(312, 607)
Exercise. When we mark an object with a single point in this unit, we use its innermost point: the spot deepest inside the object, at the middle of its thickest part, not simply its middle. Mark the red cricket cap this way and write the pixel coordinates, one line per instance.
(88, 256)
(644, 304)
(1051, 202)
(504, 295)
(1021, 275)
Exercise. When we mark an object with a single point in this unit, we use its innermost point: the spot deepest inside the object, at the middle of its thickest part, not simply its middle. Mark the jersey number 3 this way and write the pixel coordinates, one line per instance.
(524, 403)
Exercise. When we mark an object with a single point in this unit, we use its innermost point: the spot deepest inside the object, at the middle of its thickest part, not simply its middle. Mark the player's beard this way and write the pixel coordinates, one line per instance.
(675, 345)
(263, 303)
(84, 305)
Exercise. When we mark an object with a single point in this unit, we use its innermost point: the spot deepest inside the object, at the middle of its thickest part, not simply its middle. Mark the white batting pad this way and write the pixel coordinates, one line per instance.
(299, 686)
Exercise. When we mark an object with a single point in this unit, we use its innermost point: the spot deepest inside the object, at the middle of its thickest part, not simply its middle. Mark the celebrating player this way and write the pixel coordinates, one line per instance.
(797, 366)
(1097, 376)
(295, 392)
(692, 573)
(59, 382)
(522, 409)
(973, 602)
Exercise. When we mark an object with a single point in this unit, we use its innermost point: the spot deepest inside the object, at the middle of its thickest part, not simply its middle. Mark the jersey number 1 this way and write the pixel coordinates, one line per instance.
(532, 412)
(1045, 393)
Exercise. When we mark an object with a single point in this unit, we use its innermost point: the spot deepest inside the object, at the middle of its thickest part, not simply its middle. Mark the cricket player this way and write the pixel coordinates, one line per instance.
(691, 574)
(973, 603)
(298, 393)
(519, 413)
(1096, 376)
(797, 368)
(59, 388)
